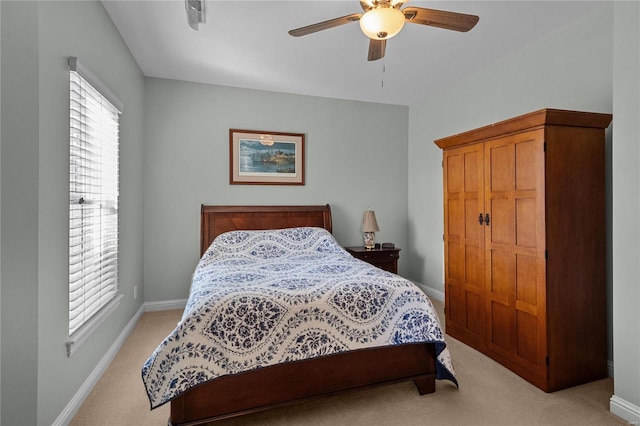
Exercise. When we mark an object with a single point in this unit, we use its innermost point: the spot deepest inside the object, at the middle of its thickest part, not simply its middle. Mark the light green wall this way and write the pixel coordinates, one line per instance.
(38, 380)
(174, 144)
(19, 381)
(569, 69)
(626, 211)
(0, 216)
(572, 68)
(356, 157)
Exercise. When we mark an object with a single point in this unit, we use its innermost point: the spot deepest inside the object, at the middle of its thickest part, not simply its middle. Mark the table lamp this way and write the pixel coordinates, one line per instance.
(369, 228)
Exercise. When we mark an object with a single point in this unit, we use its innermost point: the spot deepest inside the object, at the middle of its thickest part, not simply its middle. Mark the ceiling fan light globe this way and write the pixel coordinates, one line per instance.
(382, 23)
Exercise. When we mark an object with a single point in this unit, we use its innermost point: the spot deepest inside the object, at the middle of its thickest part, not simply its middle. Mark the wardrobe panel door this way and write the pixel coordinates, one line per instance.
(514, 247)
(464, 242)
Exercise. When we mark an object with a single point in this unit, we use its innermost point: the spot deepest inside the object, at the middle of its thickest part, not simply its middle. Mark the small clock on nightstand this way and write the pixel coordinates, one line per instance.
(382, 257)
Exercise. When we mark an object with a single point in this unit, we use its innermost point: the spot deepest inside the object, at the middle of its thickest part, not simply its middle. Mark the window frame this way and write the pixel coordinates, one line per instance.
(99, 193)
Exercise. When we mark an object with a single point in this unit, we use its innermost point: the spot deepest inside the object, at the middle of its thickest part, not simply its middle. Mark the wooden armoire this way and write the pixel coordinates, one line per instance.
(524, 244)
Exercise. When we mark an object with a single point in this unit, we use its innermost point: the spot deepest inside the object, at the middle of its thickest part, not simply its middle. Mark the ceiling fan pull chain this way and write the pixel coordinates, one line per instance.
(382, 76)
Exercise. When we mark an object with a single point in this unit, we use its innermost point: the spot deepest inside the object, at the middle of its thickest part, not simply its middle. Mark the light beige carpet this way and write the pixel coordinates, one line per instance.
(489, 394)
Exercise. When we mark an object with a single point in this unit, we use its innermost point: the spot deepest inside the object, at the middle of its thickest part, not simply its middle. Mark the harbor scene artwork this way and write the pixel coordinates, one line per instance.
(271, 156)
(268, 158)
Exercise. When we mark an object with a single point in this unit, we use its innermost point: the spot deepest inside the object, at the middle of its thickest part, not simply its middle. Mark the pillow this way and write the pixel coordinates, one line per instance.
(273, 243)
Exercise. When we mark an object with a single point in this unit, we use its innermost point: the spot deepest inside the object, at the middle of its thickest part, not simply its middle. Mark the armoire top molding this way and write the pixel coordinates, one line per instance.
(543, 117)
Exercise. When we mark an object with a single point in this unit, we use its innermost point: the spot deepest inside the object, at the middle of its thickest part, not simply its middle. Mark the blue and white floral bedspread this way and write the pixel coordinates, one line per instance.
(260, 298)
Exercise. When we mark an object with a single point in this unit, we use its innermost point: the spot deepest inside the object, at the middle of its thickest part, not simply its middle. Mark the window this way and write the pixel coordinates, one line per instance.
(93, 207)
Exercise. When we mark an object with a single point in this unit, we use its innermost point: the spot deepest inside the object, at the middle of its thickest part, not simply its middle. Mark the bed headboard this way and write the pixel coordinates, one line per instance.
(214, 220)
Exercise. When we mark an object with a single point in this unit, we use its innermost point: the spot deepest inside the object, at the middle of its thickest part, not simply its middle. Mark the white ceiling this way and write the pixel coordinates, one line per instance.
(246, 44)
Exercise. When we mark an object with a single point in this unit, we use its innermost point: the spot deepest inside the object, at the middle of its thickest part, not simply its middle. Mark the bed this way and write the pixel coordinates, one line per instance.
(215, 365)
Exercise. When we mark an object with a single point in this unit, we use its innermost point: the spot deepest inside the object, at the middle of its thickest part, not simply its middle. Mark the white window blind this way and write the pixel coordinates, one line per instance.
(93, 208)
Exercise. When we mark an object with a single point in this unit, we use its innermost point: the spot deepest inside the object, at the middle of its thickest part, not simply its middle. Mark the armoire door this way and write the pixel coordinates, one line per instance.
(464, 243)
(515, 250)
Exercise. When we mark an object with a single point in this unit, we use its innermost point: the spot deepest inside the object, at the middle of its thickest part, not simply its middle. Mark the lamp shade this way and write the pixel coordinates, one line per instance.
(369, 223)
(382, 23)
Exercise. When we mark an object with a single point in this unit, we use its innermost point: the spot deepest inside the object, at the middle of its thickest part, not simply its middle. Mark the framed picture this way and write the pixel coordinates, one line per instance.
(265, 158)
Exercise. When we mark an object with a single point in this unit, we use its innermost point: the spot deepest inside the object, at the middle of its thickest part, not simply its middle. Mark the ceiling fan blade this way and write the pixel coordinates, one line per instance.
(376, 49)
(440, 18)
(325, 25)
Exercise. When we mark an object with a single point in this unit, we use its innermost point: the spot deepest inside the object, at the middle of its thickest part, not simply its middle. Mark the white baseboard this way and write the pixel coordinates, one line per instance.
(76, 402)
(618, 406)
(165, 305)
(433, 294)
(74, 405)
(625, 410)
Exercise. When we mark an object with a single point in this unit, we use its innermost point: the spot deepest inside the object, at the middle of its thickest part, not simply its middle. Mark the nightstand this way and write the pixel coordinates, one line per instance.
(383, 258)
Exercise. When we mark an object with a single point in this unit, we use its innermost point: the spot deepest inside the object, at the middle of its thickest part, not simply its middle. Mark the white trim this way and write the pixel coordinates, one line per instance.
(433, 294)
(79, 337)
(74, 405)
(625, 410)
(165, 305)
(619, 407)
(76, 66)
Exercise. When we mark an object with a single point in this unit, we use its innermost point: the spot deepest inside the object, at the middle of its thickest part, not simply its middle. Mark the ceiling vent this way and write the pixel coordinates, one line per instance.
(195, 12)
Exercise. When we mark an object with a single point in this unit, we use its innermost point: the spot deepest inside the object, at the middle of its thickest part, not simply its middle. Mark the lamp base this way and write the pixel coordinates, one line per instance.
(369, 240)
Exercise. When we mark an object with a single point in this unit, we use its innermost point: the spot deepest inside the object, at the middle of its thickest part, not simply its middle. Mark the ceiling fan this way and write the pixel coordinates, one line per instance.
(383, 19)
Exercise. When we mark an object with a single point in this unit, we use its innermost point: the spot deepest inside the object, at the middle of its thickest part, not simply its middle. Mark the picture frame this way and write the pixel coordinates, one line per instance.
(266, 158)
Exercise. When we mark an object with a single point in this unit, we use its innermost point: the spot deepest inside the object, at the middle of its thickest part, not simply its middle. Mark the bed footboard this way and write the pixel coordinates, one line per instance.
(294, 382)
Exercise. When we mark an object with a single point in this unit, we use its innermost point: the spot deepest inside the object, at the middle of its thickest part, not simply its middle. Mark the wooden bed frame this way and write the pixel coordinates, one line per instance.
(293, 382)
